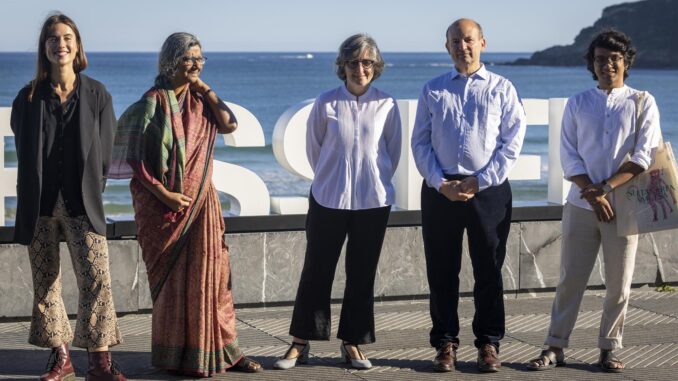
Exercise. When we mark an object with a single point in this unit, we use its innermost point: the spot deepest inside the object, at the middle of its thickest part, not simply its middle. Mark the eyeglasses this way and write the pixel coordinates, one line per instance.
(190, 61)
(353, 64)
(611, 60)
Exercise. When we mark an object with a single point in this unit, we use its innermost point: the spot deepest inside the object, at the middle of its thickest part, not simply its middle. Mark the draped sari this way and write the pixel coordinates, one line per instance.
(162, 140)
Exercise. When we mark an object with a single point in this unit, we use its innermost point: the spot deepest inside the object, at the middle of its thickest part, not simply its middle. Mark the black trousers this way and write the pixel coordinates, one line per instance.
(326, 230)
(487, 220)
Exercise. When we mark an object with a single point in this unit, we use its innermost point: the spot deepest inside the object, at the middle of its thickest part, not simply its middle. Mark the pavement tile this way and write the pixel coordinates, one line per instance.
(402, 351)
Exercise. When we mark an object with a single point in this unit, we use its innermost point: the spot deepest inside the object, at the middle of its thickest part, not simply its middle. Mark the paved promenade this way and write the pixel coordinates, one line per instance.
(402, 351)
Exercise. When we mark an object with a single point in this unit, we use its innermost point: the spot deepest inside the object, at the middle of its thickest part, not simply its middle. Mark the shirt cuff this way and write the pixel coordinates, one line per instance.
(483, 183)
(573, 170)
(641, 159)
(436, 183)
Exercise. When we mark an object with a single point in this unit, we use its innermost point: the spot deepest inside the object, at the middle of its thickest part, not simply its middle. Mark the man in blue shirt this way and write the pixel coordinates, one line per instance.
(467, 135)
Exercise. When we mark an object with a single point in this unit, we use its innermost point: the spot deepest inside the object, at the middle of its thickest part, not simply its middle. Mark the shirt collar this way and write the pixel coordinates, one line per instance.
(481, 73)
(614, 93)
(73, 96)
(348, 94)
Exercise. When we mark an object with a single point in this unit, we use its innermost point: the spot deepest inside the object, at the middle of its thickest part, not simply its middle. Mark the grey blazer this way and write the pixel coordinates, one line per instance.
(97, 129)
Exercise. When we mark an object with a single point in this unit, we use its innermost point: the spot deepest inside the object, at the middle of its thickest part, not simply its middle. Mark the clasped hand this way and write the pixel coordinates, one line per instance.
(595, 196)
(177, 201)
(460, 190)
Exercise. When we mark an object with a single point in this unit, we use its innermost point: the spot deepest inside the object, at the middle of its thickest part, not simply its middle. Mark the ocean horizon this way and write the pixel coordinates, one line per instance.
(267, 83)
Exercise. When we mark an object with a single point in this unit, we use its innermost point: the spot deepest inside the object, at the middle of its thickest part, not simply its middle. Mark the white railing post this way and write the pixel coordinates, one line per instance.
(7, 175)
(407, 180)
(557, 185)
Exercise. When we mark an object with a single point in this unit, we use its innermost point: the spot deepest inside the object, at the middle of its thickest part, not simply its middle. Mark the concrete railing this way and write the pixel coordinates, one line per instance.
(266, 265)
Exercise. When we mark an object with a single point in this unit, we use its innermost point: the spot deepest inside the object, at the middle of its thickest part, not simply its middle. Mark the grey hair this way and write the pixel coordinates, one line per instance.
(352, 48)
(173, 49)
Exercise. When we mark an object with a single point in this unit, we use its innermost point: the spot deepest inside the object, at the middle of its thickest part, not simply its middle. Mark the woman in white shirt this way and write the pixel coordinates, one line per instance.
(353, 145)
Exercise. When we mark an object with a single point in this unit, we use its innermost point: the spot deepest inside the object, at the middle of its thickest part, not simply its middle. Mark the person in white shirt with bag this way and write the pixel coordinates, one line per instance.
(353, 145)
(608, 136)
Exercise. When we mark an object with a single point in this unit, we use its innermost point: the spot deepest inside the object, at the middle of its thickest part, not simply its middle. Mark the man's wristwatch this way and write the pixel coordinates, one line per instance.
(607, 188)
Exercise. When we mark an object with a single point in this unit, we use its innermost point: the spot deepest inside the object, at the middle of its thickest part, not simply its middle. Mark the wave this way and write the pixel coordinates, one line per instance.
(307, 56)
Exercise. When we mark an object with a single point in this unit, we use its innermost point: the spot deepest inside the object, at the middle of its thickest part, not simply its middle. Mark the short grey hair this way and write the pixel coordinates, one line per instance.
(456, 23)
(352, 48)
(173, 49)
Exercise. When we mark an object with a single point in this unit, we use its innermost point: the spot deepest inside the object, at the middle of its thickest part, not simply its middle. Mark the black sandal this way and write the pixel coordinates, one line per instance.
(247, 365)
(548, 359)
(607, 358)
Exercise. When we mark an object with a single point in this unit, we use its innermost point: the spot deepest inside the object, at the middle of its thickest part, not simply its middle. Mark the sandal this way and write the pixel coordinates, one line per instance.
(547, 360)
(247, 365)
(290, 362)
(607, 358)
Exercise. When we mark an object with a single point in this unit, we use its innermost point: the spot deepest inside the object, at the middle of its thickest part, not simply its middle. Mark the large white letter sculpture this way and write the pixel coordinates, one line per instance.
(289, 148)
(249, 194)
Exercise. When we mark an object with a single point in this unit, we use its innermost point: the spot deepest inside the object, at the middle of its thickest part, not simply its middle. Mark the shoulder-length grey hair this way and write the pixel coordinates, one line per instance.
(352, 48)
(173, 49)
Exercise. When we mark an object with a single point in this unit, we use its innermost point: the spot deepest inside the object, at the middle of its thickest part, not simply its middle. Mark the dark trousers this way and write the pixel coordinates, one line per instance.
(326, 230)
(486, 219)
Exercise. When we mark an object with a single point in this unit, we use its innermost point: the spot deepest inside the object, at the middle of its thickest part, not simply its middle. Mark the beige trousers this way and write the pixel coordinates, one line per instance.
(96, 325)
(581, 239)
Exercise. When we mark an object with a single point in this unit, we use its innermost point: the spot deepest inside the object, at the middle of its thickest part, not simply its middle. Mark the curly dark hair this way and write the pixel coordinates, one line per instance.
(615, 41)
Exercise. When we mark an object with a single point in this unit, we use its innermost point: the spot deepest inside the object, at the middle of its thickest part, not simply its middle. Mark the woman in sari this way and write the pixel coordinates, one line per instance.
(165, 143)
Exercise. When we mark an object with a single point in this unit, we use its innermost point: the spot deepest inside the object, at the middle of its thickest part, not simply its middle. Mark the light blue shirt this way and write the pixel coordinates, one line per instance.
(598, 134)
(353, 146)
(470, 126)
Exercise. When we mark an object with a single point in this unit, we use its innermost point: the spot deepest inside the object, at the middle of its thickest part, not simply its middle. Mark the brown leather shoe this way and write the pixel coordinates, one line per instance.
(488, 359)
(101, 368)
(446, 358)
(59, 365)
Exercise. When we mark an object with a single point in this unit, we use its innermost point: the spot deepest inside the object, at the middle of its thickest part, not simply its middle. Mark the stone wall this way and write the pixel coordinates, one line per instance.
(266, 267)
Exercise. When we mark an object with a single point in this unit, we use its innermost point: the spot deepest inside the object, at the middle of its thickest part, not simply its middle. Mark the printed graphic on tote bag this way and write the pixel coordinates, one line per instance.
(658, 195)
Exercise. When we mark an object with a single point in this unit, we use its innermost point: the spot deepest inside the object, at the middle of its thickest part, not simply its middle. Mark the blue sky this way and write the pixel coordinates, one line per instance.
(301, 25)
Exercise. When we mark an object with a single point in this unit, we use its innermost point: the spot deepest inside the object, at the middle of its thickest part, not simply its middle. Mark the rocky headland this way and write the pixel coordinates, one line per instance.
(651, 24)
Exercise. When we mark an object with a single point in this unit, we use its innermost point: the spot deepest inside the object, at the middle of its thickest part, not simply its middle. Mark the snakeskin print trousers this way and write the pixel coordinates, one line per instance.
(96, 325)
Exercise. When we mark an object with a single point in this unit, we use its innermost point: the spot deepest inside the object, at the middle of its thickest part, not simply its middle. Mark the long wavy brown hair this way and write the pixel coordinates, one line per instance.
(43, 66)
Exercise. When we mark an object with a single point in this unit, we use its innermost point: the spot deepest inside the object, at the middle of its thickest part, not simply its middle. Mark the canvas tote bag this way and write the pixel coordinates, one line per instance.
(647, 203)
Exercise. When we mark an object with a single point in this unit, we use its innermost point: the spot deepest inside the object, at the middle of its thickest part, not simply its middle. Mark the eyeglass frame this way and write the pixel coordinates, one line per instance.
(366, 64)
(193, 60)
(609, 60)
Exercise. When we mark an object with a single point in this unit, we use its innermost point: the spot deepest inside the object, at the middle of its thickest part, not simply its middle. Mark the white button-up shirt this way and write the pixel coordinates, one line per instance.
(470, 126)
(598, 133)
(353, 146)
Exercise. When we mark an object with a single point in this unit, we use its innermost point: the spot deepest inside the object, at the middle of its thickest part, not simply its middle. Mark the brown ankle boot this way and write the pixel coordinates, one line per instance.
(101, 368)
(59, 365)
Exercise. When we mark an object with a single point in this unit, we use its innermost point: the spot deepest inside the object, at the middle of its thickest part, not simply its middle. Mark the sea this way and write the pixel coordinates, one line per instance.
(268, 83)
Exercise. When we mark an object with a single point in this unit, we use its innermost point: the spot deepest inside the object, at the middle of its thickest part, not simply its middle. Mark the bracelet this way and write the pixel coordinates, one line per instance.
(208, 91)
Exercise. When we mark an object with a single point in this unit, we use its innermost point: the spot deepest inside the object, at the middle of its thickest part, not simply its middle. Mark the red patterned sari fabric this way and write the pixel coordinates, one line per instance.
(187, 260)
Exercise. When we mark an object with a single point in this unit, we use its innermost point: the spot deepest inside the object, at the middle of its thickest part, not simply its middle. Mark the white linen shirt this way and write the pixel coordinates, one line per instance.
(470, 126)
(598, 131)
(353, 146)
